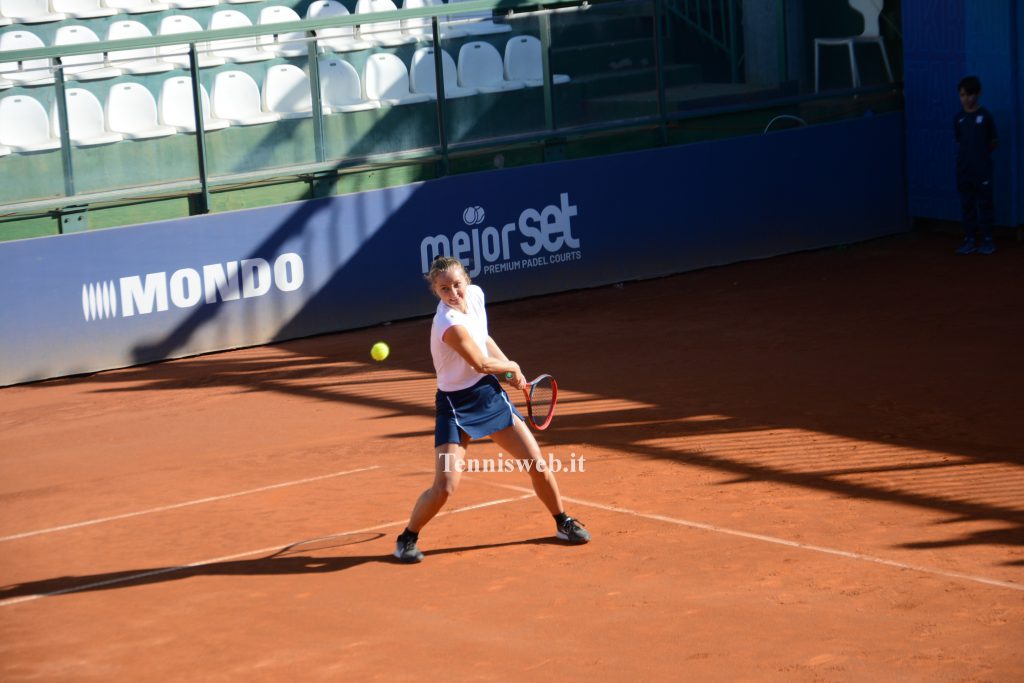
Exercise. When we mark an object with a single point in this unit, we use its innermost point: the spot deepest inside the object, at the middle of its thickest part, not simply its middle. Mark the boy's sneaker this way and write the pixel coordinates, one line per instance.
(572, 530)
(967, 247)
(987, 247)
(406, 550)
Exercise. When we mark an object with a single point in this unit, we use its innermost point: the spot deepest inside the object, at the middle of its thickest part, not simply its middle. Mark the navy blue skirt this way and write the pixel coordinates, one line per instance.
(478, 411)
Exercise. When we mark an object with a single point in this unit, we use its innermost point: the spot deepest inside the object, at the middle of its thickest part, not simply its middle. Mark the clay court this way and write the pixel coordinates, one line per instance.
(802, 468)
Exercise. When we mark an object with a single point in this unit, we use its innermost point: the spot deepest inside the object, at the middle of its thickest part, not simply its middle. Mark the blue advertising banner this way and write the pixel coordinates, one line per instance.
(113, 298)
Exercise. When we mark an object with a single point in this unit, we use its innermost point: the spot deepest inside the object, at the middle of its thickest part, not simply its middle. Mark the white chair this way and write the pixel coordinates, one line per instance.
(137, 6)
(424, 78)
(286, 92)
(179, 54)
(421, 29)
(237, 50)
(4, 151)
(340, 89)
(5, 84)
(341, 39)
(192, 4)
(131, 111)
(29, 72)
(86, 124)
(83, 9)
(175, 106)
(476, 23)
(292, 44)
(88, 67)
(386, 80)
(242, 2)
(383, 33)
(29, 11)
(24, 126)
(5, 21)
(140, 60)
(524, 62)
(869, 10)
(236, 99)
(481, 67)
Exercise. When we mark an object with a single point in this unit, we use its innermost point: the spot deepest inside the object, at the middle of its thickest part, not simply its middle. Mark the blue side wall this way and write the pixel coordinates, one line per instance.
(114, 298)
(943, 41)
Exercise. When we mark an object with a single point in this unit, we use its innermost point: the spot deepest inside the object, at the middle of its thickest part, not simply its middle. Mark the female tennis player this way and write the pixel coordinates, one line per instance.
(471, 404)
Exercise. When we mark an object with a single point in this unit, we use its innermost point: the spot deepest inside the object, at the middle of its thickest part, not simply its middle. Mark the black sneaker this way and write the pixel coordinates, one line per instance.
(572, 530)
(406, 550)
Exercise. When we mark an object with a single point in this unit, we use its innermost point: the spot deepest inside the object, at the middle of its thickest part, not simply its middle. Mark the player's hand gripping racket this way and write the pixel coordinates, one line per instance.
(541, 397)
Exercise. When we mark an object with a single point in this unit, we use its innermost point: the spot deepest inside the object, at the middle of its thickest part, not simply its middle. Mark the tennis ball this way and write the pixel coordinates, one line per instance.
(379, 351)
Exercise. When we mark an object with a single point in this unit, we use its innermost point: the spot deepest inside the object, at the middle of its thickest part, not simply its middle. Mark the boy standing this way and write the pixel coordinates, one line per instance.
(976, 138)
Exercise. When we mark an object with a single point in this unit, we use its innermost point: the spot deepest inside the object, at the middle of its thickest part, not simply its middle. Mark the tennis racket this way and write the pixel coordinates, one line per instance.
(541, 397)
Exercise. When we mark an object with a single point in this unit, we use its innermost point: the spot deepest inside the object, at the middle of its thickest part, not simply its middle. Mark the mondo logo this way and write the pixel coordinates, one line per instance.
(188, 287)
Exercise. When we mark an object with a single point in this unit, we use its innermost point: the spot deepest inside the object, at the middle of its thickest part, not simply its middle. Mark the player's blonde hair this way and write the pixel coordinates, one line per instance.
(443, 264)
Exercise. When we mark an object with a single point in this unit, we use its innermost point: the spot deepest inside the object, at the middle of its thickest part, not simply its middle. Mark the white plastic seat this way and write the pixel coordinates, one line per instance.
(87, 125)
(137, 6)
(242, 2)
(192, 4)
(179, 54)
(342, 39)
(88, 67)
(421, 29)
(292, 44)
(5, 84)
(24, 126)
(424, 75)
(383, 33)
(237, 50)
(386, 79)
(524, 62)
(286, 92)
(869, 10)
(131, 111)
(476, 23)
(141, 60)
(340, 89)
(481, 67)
(236, 99)
(5, 21)
(83, 9)
(4, 151)
(29, 72)
(175, 106)
(29, 11)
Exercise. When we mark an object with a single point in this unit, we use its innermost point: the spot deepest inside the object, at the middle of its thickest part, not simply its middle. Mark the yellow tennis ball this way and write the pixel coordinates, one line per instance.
(379, 351)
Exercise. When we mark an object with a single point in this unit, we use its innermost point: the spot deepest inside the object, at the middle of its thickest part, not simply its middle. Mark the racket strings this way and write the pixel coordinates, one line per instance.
(542, 400)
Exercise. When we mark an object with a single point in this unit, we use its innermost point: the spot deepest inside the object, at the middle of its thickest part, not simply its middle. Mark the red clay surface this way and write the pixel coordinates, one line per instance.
(805, 468)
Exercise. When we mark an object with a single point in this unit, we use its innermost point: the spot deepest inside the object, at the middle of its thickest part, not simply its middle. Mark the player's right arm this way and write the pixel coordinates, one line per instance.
(457, 337)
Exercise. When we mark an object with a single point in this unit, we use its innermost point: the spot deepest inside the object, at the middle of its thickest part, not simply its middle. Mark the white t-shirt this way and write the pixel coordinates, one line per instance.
(453, 372)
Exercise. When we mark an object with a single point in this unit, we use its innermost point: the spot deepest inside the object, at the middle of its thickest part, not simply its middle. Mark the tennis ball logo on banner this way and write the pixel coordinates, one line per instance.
(536, 238)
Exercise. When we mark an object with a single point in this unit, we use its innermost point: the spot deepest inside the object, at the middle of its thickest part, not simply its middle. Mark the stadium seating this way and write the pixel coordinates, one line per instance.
(192, 4)
(286, 92)
(179, 54)
(29, 11)
(524, 62)
(386, 80)
(481, 67)
(478, 23)
(239, 50)
(131, 111)
(142, 60)
(291, 44)
(24, 125)
(175, 107)
(424, 79)
(869, 10)
(4, 151)
(421, 28)
(337, 39)
(137, 6)
(340, 89)
(87, 124)
(382, 33)
(30, 72)
(236, 98)
(88, 67)
(83, 9)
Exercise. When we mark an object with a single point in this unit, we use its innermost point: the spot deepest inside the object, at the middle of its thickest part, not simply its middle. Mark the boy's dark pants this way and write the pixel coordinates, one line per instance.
(977, 206)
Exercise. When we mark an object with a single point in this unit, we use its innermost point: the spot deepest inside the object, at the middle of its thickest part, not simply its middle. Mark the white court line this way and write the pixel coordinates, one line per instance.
(782, 541)
(249, 553)
(175, 506)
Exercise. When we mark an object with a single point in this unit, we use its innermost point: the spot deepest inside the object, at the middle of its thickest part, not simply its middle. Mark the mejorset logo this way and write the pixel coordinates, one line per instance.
(187, 287)
(535, 238)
